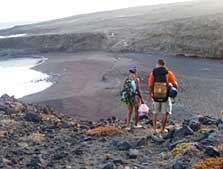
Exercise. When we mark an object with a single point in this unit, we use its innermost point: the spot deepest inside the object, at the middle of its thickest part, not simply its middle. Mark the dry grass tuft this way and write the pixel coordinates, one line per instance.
(36, 137)
(210, 163)
(104, 131)
(204, 130)
(3, 134)
(181, 148)
(8, 122)
(50, 117)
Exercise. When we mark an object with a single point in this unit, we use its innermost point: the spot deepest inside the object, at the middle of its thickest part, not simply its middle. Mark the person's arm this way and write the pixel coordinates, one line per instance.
(172, 79)
(150, 85)
(138, 86)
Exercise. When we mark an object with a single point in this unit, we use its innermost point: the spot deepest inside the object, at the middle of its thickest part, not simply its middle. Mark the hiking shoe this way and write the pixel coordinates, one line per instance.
(165, 131)
(128, 128)
(137, 126)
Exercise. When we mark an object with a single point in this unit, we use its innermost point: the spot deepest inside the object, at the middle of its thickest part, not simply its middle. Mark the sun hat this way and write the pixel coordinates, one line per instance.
(132, 69)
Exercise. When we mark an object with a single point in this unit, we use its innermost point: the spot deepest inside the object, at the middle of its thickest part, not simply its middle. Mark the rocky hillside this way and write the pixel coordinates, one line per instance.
(191, 28)
(53, 43)
(33, 136)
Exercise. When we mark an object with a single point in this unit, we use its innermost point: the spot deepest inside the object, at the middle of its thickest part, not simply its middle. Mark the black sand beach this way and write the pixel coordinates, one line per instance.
(87, 84)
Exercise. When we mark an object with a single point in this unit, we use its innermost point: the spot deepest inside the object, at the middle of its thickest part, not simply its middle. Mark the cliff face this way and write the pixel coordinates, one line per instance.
(56, 42)
(193, 28)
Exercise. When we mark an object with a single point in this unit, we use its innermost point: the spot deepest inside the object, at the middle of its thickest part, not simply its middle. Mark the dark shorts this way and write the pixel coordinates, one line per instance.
(137, 100)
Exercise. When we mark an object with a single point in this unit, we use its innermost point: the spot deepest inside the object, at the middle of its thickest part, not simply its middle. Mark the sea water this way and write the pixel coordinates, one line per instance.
(17, 78)
(13, 36)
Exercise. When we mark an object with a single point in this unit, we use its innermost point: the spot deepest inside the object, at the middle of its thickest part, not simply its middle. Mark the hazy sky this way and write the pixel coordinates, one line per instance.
(39, 10)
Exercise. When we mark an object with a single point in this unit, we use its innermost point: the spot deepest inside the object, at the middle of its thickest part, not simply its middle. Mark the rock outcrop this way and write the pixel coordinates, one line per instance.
(34, 136)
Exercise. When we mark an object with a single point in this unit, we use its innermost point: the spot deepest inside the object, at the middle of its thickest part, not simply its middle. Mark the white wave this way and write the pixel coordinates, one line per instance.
(13, 36)
(18, 79)
(205, 69)
(6, 27)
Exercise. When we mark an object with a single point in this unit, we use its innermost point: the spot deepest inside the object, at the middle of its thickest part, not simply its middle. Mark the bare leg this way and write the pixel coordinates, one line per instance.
(154, 122)
(136, 116)
(164, 121)
(130, 110)
(137, 113)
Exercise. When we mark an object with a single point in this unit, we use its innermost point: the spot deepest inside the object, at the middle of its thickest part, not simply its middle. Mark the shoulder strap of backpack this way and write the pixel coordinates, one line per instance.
(167, 75)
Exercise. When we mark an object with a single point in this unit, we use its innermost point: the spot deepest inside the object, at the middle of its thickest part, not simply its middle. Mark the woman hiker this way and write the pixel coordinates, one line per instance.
(136, 98)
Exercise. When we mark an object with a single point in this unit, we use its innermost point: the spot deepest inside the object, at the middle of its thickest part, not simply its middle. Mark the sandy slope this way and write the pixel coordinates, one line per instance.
(80, 89)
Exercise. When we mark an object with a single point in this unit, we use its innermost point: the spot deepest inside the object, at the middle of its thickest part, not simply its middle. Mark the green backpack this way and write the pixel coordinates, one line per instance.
(128, 92)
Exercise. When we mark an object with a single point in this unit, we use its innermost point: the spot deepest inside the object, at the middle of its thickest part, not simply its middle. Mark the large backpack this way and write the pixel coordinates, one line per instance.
(160, 84)
(128, 92)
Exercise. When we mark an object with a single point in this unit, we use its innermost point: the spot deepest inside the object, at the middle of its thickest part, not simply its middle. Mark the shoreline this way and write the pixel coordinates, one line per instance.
(19, 77)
